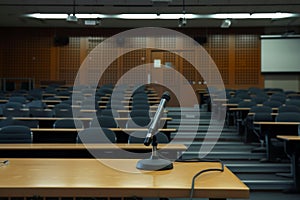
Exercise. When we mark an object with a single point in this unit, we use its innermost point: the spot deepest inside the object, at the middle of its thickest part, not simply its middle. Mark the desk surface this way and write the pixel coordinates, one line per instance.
(89, 177)
(76, 118)
(113, 129)
(63, 146)
(289, 137)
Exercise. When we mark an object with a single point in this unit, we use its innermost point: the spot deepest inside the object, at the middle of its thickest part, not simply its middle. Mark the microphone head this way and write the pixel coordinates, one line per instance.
(166, 96)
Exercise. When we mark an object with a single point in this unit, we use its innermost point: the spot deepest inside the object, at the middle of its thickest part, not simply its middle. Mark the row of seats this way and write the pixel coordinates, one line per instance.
(23, 134)
(139, 116)
(18, 106)
(245, 109)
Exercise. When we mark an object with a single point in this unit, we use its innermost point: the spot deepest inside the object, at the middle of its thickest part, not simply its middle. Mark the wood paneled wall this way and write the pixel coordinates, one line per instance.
(30, 52)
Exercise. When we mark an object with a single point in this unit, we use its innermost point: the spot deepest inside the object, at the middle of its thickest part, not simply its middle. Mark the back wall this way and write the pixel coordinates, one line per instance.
(32, 53)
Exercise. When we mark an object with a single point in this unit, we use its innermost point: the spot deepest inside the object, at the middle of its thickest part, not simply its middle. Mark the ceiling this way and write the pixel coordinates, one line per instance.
(12, 11)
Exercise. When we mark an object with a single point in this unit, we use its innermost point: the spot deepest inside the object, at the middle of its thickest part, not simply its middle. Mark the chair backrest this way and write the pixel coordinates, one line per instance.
(6, 122)
(272, 103)
(15, 134)
(234, 100)
(62, 106)
(259, 99)
(52, 98)
(68, 123)
(139, 113)
(295, 97)
(104, 122)
(29, 123)
(288, 117)
(282, 99)
(107, 112)
(139, 137)
(16, 112)
(94, 135)
(36, 104)
(68, 101)
(263, 117)
(13, 105)
(294, 102)
(289, 108)
(140, 107)
(35, 94)
(19, 99)
(140, 98)
(262, 109)
(246, 104)
(63, 93)
(63, 110)
(243, 95)
(137, 122)
(40, 112)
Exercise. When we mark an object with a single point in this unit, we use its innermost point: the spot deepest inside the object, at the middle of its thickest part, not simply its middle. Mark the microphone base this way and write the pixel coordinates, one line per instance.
(154, 164)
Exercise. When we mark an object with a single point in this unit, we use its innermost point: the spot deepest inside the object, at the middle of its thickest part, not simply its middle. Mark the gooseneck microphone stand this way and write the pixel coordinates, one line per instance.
(154, 162)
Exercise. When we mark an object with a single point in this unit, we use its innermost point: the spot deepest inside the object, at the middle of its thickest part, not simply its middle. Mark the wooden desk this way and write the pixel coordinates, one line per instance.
(91, 178)
(129, 101)
(292, 148)
(122, 133)
(63, 150)
(152, 98)
(54, 135)
(69, 135)
(271, 130)
(47, 122)
(2, 101)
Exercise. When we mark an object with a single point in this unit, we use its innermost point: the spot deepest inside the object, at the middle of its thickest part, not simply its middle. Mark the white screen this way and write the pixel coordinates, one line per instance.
(280, 55)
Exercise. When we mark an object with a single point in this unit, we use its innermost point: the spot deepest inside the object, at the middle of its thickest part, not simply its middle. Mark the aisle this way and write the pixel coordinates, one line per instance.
(230, 149)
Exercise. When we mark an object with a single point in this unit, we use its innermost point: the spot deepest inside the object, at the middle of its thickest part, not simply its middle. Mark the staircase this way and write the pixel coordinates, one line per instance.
(230, 148)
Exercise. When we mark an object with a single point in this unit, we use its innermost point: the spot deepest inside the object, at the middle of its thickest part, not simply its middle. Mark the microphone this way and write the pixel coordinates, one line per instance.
(155, 122)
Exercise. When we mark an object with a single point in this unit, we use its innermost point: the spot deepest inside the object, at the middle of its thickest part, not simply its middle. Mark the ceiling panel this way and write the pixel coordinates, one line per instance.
(11, 12)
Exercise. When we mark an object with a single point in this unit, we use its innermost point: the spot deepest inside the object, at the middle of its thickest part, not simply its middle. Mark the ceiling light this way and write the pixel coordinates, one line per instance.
(156, 16)
(182, 22)
(168, 16)
(72, 18)
(47, 16)
(91, 22)
(138, 16)
(226, 23)
(90, 16)
(277, 15)
(231, 16)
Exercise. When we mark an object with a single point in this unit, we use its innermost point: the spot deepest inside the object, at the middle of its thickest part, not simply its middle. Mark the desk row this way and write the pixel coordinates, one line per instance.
(68, 135)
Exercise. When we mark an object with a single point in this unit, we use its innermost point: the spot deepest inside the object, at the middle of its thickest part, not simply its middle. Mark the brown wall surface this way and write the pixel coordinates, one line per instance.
(31, 53)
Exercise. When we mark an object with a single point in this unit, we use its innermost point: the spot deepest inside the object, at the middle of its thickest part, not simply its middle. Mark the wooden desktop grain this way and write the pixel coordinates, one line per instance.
(89, 177)
(289, 137)
(66, 146)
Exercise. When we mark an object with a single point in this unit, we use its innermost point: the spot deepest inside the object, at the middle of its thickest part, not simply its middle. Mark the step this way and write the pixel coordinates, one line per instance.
(260, 168)
(224, 144)
(265, 181)
(202, 128)
(226, 155)
(199, 137)
(189, 121)
(268, 184)
(220, 148)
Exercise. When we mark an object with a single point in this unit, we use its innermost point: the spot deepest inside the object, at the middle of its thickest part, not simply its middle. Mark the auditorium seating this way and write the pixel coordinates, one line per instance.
(264, 105)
